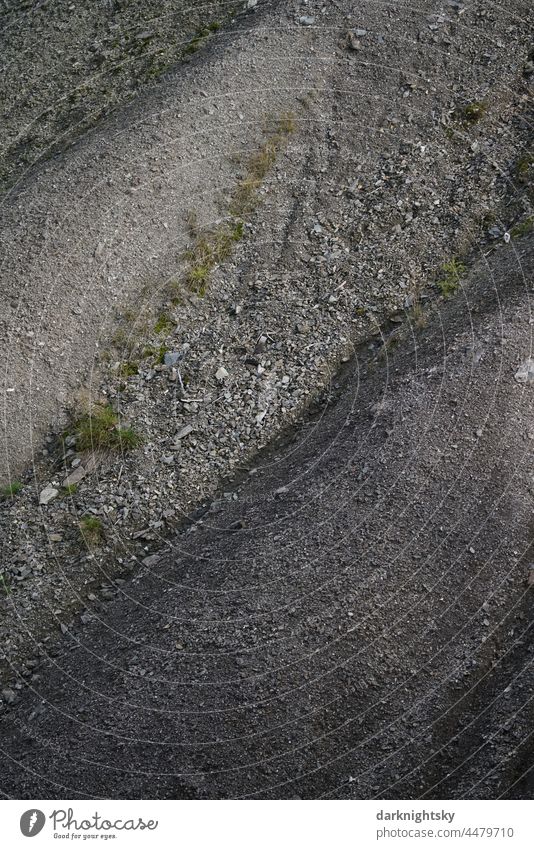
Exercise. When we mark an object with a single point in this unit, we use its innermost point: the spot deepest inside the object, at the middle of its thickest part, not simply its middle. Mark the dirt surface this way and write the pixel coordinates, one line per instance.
(405, 147)
(382, 154)
(66, 65)
(356, 624)
(348, 615)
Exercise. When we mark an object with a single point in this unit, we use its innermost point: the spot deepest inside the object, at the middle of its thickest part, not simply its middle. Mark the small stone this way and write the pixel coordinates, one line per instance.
(221, 374)
(261, 344)
(48, 494)
(172, 357)
(151, 560)
(185, 431)
(9, 696)
(525, 372)
(307, 20)
(353, 43)
(75, 477)
(55, 537)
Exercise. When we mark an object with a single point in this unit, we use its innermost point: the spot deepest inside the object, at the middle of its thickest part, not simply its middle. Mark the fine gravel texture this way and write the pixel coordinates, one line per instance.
(402, 146)
(356, 623)
(289, 284)
(66, 65)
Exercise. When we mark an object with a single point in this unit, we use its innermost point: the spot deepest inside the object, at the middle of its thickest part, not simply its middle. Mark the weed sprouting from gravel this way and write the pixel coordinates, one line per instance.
(451, 273)
(92, 530)
(524, 227)
(10, 490)
(211, 247)
(164, 324)
(129, 368)
(208, 250)
(200, 37)
(472, 113)
(245, 196)
(99, 429)
(525, 167)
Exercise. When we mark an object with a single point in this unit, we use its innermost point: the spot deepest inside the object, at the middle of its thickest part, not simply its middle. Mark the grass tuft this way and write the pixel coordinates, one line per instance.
(211, 247)
(129, 368)
(164, 324)
(451, 272)
(200, 37)
(11, 490)
(92, 530)
(525, 167)
(472, 113)
(524, 227)
(99, 429)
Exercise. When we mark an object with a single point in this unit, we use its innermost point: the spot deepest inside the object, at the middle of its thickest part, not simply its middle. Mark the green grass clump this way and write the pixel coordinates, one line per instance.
(245, 196)
(208, 250)
(473, 112)
(200, 37)
(129, 368)
(451, 272)
(525, 167)
(11, 490)
(92, 530)
(212, 247)
(164, 324)
(99, 429)
(524, 227)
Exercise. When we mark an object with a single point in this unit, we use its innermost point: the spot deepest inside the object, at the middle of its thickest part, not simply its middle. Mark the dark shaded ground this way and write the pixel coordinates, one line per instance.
(356, 623)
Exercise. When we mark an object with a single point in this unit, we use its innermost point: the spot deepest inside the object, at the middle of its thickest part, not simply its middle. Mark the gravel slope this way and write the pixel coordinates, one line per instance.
(406, 147)
(65, 65)
(355, 624)
(381, 154)
(381, 179)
